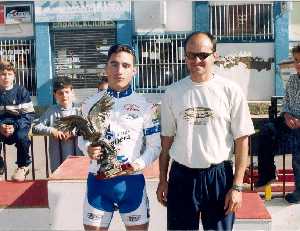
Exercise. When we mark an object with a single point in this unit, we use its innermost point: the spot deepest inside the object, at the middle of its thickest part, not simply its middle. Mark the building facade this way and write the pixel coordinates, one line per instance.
(17, 41)
(71, 38)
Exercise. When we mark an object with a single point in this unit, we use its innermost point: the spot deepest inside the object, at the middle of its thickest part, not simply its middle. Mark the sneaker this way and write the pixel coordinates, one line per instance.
(263, 182)
(20, 173)
(293, 198)
(1, 166)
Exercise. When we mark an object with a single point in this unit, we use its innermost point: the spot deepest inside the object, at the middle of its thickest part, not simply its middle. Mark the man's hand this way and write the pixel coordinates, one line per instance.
(291, 121)
(94, 152)
(162, 192)
(164, 158)
(233, 201)
(7, 130)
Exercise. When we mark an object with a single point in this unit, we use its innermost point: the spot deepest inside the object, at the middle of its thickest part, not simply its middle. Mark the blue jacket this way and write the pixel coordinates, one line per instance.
(16, 107)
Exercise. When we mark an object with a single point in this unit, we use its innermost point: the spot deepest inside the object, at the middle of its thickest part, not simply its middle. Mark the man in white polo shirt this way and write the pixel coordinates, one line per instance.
(202, 117)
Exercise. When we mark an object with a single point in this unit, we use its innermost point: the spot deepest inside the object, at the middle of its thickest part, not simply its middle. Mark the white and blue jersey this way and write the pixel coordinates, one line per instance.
(133, 128)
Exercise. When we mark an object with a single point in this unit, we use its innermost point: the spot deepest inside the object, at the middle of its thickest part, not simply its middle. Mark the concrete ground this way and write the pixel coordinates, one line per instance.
(284, 215)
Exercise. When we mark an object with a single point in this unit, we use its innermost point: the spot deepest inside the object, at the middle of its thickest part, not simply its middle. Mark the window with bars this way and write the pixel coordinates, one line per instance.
(160, 62)
(242, 22)
(21, 53)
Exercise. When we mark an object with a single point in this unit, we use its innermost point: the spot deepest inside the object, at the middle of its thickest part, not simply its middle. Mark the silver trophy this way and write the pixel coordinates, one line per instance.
(92, 128)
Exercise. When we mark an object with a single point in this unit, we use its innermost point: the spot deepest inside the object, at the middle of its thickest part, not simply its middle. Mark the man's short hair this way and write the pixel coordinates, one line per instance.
(62, 82)
(6, 65)
(121, 48)
(296, 49)
(209, 35)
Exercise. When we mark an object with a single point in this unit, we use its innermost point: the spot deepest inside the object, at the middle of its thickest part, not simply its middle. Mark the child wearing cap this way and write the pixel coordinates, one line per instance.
(60, 144)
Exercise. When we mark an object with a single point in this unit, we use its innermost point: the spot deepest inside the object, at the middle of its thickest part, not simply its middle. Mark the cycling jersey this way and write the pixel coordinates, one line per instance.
(132, 128)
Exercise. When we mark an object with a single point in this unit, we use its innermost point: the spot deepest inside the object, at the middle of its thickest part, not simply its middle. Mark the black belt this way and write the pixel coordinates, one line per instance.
(181, 166)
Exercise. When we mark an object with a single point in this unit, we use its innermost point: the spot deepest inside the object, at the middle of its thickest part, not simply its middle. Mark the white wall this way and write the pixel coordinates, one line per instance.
(294, 26)
(16, 30)
(179, 15)
(249, 65)
(162, 16)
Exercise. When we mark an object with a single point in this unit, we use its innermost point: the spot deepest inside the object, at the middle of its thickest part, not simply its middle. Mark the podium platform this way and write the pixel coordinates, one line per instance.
(24, 205)
(75, 168)
(56, 203)
(67, 189)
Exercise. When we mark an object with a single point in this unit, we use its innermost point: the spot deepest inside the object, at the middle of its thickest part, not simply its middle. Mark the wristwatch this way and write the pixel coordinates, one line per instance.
(238, 187)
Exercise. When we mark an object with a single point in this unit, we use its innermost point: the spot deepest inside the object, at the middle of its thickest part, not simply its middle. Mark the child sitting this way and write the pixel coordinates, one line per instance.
(16, 116)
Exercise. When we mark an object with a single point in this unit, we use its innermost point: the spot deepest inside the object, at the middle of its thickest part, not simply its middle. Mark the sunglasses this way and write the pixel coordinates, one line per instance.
(200, 55)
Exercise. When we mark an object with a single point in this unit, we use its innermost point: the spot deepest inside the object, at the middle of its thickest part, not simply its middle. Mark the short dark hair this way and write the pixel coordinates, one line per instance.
(121, 48)
(209, 35)
(6, 65)
(102, 79)
(296, 49)
(62, 82)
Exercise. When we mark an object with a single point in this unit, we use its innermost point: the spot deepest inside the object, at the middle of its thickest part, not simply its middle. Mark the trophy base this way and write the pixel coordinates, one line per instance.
(123, 169)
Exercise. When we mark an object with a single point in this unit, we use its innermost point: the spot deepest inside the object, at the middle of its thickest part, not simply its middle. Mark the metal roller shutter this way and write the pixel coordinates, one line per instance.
(80, 53)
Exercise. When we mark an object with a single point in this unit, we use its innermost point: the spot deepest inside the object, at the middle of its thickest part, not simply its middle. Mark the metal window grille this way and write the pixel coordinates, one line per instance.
(242, 22)
(160, 62)
(22, 54)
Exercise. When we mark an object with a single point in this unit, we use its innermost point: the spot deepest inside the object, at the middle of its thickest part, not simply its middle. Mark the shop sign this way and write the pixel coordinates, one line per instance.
(82, 10)
(17, 14)
(1, 14)
(14, 54)
(83, 25)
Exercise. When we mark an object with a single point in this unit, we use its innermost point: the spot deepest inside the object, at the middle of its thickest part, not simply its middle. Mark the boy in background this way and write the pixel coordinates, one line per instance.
(61, 144)
(16, 116)
(102, 84)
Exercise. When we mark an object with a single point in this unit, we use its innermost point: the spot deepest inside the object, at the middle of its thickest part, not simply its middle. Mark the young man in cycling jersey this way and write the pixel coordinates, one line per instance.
(133, 129)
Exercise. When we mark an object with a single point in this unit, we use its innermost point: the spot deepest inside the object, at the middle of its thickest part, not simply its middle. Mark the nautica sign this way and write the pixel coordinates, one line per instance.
(85, 10)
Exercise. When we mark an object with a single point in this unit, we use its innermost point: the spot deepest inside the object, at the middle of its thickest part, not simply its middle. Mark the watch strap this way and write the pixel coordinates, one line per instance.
(238, 187)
